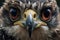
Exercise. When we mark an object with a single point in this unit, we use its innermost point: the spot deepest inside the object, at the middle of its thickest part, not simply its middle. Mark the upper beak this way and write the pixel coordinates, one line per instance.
(30, 24)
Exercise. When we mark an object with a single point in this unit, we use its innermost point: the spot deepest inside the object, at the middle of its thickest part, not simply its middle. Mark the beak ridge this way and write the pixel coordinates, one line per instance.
(29, 23)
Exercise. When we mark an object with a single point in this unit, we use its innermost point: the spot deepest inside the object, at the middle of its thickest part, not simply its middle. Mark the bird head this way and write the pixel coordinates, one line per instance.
(30, 16)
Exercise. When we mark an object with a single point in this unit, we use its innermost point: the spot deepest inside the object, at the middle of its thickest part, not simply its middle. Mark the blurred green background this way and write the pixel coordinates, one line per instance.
(58, 2)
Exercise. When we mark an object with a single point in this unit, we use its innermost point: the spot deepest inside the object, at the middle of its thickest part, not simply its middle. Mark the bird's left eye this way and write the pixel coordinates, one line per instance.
(13, 13)
(46, 14)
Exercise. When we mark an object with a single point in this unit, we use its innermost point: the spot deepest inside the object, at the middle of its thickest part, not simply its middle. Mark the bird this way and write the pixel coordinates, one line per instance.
(29, 20)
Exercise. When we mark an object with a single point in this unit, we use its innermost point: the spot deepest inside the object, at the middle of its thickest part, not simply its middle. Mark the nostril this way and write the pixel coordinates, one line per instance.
(24, 15)
(34, 16)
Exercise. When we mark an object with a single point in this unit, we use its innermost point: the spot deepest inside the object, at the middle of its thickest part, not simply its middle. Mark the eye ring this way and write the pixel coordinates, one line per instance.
(46, 14)
(45, 18)
(13, 14)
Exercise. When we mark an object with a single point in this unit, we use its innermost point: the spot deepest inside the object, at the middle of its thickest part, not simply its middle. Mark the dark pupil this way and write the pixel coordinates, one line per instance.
(47, 12)
(13, 12)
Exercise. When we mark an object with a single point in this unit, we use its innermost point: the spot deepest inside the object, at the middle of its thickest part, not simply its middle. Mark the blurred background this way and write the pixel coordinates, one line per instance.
(58, 2)
(1, 2)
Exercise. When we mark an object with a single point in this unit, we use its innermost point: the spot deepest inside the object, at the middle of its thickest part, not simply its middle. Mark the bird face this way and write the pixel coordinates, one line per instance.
(30, 21)
(29, 16)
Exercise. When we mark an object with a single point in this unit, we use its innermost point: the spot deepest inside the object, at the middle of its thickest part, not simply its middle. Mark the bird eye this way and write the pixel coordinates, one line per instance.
(46, 14)
(13, 13)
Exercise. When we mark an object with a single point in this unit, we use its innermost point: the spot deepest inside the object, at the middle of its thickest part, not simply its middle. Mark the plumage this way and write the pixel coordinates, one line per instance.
(29, 20)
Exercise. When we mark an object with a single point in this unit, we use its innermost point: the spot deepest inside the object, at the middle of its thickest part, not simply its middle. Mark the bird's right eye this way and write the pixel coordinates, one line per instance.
(13, 13)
